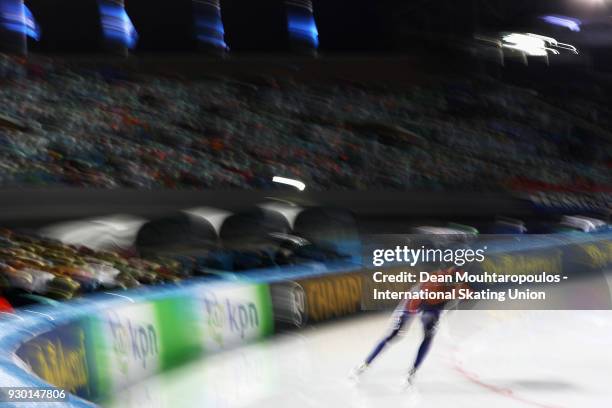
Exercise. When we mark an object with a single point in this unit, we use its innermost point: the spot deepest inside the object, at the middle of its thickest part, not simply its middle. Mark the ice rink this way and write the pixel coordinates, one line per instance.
(479, 359)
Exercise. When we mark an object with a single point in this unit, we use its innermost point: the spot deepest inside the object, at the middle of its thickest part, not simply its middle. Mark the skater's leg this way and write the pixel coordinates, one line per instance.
(399, 321)
(400, 317)
(430, 323)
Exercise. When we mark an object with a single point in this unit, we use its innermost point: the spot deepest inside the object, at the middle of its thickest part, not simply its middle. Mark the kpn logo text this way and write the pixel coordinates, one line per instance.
(133, 341)
(238, 317)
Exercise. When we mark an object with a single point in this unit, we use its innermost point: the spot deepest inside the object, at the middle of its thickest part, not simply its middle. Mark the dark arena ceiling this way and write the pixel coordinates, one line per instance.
(344, 25)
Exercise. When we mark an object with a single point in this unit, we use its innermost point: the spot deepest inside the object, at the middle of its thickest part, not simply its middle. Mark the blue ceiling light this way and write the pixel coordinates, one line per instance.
(116, 24)
(573, 24)
(301, 22)
(209, 24)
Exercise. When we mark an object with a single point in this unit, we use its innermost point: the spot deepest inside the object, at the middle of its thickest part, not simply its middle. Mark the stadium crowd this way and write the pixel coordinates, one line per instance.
(37, 269)
(107, 129)
(34, 269)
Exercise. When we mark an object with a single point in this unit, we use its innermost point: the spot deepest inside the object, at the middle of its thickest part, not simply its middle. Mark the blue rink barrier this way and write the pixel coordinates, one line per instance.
(49, 328)
(142, 318)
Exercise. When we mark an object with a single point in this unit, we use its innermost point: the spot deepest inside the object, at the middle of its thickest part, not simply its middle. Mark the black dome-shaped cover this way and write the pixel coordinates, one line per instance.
(323, 225)
(178, 231)
(252, 226)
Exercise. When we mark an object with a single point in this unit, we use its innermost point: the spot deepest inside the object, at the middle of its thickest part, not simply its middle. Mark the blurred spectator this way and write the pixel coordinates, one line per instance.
(5, 306)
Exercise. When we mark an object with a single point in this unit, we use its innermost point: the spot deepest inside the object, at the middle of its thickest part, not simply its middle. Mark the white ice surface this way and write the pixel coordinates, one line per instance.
(487, 359)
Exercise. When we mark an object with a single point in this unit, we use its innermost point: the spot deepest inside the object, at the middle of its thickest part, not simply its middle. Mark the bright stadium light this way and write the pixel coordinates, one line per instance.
(290, 182)
(552, 44)
(585, 4)
(530, 45)
(535, 45)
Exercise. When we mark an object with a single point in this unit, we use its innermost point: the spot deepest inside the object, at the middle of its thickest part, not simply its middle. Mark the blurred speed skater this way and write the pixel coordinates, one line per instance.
(429, 311)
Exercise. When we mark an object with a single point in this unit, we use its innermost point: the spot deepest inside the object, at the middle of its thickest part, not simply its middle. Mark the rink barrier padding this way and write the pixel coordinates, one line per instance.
(96, 345)
(331, 296)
